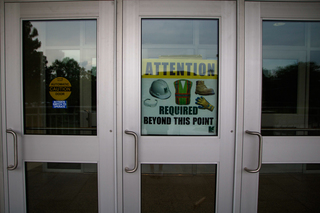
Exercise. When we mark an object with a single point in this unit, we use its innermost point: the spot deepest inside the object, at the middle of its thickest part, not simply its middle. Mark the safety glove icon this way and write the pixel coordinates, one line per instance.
(204, 104)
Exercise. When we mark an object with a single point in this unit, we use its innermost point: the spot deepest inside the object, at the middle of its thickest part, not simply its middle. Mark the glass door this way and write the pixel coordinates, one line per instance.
(59, 149)
(281, 108)
(178, 105)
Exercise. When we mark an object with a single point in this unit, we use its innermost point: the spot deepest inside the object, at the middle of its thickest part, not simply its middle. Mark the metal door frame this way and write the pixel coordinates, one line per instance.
(106, 156)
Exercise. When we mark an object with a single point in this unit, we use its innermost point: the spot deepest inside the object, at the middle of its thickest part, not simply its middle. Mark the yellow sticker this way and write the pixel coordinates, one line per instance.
(60, 88)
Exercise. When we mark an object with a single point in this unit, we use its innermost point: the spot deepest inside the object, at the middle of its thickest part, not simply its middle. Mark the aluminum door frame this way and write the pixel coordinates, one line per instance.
(133, 11)
(100, 148)
(275, 149)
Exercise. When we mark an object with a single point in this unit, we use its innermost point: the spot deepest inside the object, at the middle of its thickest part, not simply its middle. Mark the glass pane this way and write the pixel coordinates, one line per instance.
(289, 188)
(279, 94)
(179, 76)
(61, 187)
(168, 31)
(178, 188)
(59, 77)
(291, 75)
(278, 33)
(314, 34)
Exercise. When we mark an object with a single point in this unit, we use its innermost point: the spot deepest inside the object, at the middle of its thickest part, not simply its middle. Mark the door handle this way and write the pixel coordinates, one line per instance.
(260, 152)
(128, 170)
(15, 147)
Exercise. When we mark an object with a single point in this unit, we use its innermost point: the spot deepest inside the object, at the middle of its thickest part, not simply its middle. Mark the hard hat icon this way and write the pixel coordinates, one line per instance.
(159, 89)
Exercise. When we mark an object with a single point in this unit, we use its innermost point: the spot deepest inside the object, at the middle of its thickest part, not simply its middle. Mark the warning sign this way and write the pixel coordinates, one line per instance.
(60, 88)
(179, 68)
(179, 96)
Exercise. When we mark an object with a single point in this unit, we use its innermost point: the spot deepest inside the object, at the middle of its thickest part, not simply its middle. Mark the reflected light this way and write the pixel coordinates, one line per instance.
(278, 24)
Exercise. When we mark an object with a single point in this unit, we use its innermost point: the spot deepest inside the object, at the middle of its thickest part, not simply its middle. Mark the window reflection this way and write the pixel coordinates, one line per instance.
(178, 188)
(289, 188)
(314, 34)
(290, 78)
(61, 187)
(59, 69)
(284, 33)
(167, 31)
(278, 77)
(70, 36)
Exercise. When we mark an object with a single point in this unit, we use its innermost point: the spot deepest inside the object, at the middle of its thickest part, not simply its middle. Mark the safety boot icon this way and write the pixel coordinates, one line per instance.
(201, 89)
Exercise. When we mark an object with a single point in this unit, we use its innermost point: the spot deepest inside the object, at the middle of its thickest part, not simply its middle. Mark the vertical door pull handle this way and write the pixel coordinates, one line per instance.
(15, 147)
(128, 170)
(260, 152)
